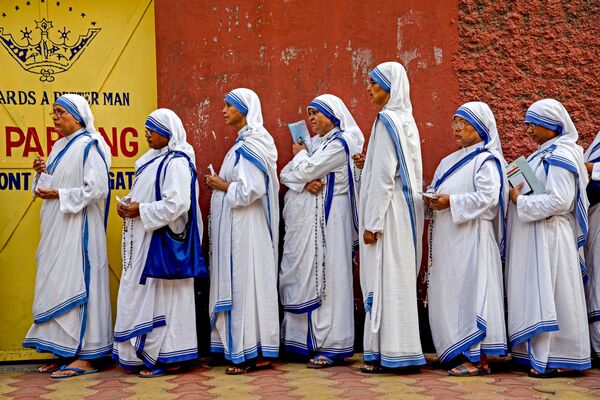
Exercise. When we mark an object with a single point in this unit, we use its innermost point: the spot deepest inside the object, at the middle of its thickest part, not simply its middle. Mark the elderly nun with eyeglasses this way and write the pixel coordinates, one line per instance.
(468, 197)
(71, 307)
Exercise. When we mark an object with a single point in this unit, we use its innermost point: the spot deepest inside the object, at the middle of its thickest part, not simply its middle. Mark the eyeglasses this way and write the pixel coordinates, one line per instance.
(530, 125)
(458, 125)
(148, 132)
(371, 81)
(58, 114)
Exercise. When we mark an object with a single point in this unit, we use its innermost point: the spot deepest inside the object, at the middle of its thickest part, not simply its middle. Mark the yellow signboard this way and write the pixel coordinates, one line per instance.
(104, 51)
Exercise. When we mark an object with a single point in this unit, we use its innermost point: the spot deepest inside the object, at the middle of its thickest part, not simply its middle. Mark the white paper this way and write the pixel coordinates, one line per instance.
(431, 196)
(211, 169)
(44, 181)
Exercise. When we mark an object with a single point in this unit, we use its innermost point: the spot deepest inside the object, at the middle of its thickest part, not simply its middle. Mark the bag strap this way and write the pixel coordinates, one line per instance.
(164, 163)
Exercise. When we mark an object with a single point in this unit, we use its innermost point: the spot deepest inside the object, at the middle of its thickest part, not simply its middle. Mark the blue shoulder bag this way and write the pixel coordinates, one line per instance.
(176, 255)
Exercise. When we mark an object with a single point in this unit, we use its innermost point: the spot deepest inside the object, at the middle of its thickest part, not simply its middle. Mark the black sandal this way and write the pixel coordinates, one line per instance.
(372, 369)
(554, 373)
(245, 368)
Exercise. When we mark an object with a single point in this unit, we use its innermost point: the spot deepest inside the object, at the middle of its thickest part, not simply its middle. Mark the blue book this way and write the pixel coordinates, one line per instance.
(300, 134)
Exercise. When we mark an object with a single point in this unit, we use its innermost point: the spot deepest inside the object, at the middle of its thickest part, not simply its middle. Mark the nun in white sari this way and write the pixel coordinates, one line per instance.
(547, 317)
(244, 229)
(321, 223)
(467, 232)
(391, 226)
(592, 246)
(71, 307)
(156, 318)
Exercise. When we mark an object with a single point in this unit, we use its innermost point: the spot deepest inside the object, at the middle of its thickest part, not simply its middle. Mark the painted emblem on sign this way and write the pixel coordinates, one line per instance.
(46, 51)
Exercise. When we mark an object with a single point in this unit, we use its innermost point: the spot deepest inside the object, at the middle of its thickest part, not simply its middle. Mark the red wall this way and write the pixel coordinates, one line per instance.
(506, 53)
(513, 53)
(291, 51)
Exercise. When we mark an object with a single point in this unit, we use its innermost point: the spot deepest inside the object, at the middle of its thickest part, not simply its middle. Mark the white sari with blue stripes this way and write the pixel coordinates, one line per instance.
(71, 307)
(592, 253)
(319, 311)
(156, 321)
(466, 301)
(244, 225)
(547, 317)
(390, 205)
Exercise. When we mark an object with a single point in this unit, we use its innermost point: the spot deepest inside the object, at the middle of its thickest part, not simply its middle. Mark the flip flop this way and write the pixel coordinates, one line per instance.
(244, 369)
(315, 364)
(77, 371)
(160, 371)
(462, 370)
(154, 373)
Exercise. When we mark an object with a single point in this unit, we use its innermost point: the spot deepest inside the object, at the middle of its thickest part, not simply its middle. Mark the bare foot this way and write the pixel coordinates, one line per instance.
(236, 370)
(467, 365)
(320, 361)
(469, 369)
(262, 364)
(151, 373)
(554, 373)
(84, 365)
(47, 368)
(160, 371)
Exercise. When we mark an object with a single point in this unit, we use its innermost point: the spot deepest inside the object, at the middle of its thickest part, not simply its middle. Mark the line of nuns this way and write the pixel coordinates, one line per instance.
(487, 241)
(485, 238)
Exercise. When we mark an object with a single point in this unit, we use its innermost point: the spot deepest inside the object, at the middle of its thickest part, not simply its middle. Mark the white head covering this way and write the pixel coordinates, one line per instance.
(392, 78)
(80, 109)
(481, 117)
(248, 103)
(399, 122)
(168, 124)
(551, 114)
(256, 140)
(399, 111)
(334, 106)
(593, 152)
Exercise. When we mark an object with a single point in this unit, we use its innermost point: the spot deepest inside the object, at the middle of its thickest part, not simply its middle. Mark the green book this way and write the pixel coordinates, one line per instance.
(519, 172)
